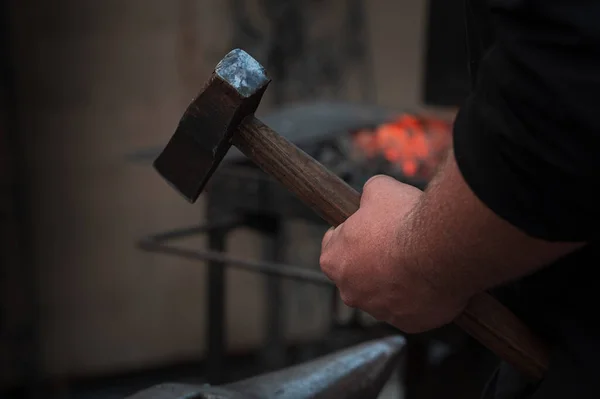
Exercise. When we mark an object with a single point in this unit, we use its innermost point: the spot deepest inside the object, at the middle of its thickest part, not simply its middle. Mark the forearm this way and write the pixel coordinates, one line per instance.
(461, 247)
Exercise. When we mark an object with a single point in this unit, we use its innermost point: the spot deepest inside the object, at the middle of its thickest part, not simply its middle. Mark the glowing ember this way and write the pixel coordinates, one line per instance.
(415, 144)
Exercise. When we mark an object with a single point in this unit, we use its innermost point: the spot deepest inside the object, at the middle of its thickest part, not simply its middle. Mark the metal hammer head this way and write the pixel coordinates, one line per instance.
(203, 136)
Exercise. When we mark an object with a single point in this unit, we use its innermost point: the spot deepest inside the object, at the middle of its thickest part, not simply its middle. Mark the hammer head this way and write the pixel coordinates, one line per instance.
(204, 133)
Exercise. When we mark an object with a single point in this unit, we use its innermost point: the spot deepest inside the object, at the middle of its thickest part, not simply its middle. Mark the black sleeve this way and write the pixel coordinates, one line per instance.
(527, 140)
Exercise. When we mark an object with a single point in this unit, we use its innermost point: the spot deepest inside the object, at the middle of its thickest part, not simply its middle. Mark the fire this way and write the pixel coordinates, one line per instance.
(415, 144)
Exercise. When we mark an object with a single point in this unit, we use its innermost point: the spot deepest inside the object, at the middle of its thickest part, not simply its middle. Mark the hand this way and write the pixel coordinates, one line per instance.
(367, 257)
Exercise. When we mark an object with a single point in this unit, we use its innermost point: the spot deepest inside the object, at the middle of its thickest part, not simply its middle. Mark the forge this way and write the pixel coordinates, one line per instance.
(355, 141)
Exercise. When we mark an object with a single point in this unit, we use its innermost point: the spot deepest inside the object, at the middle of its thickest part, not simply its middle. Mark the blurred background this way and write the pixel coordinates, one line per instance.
(110, 282)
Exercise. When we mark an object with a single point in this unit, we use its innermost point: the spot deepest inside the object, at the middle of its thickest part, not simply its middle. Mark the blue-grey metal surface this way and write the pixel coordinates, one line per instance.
(242, 72)
(359, 372)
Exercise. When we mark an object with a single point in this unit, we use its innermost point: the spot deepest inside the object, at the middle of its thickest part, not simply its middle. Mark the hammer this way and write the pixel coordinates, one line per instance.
(223, 115)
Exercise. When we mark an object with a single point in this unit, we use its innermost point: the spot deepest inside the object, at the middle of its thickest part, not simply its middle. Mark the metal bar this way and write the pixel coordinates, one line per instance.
(268, 268)
(225, 223)
(217, 229)
(216, 327)
(216, 286)
(273, 352)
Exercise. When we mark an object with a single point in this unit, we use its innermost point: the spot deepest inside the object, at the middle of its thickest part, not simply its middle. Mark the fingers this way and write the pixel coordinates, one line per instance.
(375, 178)
(327, 237)
(328, 252)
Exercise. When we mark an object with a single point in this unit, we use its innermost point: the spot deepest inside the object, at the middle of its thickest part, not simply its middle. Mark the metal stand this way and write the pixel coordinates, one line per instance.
(216, 307)
(273, 355)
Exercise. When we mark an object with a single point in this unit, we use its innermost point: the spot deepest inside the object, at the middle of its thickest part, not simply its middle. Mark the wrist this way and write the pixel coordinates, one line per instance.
(427, 258)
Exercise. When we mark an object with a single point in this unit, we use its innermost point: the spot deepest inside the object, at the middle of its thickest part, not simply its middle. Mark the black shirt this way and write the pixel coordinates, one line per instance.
(527, 141)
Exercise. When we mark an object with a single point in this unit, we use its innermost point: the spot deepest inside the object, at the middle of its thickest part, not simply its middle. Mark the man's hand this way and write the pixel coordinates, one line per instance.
(414, 259)
(366, 258)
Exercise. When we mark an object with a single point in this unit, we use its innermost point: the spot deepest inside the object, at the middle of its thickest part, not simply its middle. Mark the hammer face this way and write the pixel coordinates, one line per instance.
(203, 136)
(242, 72)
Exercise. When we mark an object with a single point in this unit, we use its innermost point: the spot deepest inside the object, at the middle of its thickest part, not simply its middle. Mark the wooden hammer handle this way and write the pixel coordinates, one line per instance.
(484, 318)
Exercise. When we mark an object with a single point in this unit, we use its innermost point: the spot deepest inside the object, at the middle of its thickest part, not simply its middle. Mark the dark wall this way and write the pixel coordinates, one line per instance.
(18, 362)
(446, 81)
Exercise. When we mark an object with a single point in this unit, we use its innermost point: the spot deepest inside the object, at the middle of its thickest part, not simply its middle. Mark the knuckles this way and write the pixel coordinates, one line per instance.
(326, 265)
(376, 184)
(334, 270)
(331, 266)
(348, 299)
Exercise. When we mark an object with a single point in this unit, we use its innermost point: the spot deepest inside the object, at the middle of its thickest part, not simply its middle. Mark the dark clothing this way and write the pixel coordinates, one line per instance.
(527, 141)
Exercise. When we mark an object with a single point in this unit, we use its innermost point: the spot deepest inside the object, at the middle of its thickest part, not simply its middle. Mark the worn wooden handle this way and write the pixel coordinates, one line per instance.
(334, 200)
